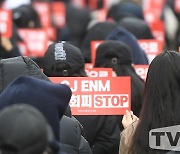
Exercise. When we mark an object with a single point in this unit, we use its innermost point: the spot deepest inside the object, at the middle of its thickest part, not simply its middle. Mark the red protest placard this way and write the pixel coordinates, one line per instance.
(153, 6)
(150, 16)
(158, 30)
(156, 25)
(79, 3)
(98, 96)
(177, 6)
(93, 4)
(51, 31)
(36, 41)
(152, 47)
(43, 10)
(6, 23)
(88, 65)
(101, 15)
(59, 14)
(99, 72)
(23, 48)
(142, 70)
(94, 46)
(152, 13)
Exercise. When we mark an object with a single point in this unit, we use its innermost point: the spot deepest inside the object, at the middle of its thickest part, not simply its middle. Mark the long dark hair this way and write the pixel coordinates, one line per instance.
(137, 88)
(58, 68)
(117, 55)
(161, 100)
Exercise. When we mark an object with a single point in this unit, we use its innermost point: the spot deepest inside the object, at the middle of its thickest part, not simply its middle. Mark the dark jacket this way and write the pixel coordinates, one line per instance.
(12, 68)
(72, 142)
(102, 133)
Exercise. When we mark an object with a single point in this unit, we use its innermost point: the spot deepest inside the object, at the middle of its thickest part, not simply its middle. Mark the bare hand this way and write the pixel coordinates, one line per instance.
(129, 118)
(6, 44)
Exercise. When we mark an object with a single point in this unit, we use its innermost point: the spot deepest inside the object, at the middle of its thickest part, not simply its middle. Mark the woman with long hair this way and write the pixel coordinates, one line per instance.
(160, 106)
(117, 55)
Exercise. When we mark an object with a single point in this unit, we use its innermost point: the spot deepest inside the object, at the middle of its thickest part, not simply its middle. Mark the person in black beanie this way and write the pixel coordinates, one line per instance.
(24, 130)
(63, 59)
(117, 55)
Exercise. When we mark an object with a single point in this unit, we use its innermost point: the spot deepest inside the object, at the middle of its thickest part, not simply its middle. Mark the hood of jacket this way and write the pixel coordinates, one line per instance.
(11, 68)
(121, 34)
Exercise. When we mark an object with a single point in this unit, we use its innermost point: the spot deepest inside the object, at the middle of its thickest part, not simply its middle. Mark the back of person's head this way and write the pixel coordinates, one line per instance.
(121, 34)
(115, 14)
(63, 59)
(163, 82)
(125, 9)
(51, 99)
(117, 55)
(98, 32)
(113, 53)
(25, 16)
(161, 100)
(24, 130)
(74, 16)
(137, 27)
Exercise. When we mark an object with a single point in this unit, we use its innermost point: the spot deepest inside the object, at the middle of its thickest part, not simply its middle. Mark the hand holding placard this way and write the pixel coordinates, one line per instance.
(129, 118)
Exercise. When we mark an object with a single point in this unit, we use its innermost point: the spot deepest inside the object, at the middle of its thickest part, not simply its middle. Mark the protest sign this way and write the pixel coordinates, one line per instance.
(142, 70)
(99, 72)
(98, 96)
(152, 47)
(5, 23)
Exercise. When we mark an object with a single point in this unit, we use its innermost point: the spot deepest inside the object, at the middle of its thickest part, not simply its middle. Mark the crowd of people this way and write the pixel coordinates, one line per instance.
(35, 114)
